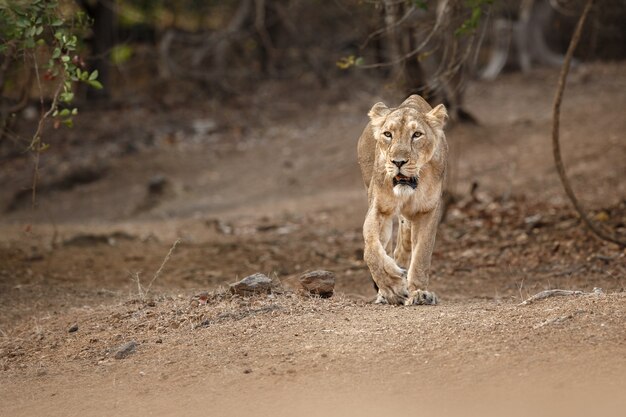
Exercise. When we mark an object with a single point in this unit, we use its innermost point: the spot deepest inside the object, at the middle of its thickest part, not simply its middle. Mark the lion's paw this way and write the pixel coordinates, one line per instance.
(397, 296)
(420, 297)
(380, 299)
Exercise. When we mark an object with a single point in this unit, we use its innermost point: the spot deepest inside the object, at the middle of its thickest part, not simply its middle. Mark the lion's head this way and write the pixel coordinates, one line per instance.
(408, 137)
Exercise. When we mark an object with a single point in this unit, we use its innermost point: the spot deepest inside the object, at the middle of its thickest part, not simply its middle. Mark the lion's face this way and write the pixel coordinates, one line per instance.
(407, 140)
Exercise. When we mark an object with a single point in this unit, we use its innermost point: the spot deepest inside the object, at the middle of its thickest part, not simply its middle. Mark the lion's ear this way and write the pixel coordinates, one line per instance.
(378, 113)
(438, 116)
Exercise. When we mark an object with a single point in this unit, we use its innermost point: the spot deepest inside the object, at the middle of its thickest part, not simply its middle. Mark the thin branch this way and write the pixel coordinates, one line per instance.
(556, 148)
(158, 272)
(558, 293)
(421, 46)
(35, 143)
(387, 28)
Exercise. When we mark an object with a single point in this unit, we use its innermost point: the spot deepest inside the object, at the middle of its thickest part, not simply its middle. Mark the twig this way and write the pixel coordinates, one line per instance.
(35, 143)
(158, 272)
(387, 28)
(437, 25)
(556, 149)
(134, 276)
(557, 293)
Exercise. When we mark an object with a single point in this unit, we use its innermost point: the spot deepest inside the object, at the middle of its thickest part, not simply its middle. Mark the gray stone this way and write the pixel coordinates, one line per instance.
(320, 283)
(253, 284)
(125, 350)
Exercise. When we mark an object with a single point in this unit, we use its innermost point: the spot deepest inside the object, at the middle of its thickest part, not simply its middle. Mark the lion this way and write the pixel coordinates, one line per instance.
(403, 158)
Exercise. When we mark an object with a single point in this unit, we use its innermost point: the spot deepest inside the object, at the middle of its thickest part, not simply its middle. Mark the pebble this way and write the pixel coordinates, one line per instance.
(320, 283)
(253, 284)
(73, 329)
(125, 350)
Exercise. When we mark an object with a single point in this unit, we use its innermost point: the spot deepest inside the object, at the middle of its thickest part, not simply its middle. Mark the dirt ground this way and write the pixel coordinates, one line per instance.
(270, 184)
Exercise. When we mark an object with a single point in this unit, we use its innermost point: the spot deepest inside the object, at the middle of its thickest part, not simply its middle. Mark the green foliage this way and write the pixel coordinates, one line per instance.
(121, 54)
(476, 9)
(349, 61)
(32, 29)
(421, 4)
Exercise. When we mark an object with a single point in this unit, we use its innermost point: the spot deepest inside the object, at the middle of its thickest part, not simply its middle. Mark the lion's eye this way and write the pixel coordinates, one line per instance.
(417, 135)
(387, 134)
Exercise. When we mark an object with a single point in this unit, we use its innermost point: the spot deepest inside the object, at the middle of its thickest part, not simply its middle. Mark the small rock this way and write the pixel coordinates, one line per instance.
(320, 283)
(220, 226)
(200, 299)
(157, 184)
(73, 329)
(253, 284)
(247, 371)
(125, 350)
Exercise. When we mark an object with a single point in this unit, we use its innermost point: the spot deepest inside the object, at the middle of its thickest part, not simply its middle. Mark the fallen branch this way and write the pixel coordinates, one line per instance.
(557, 293)
(556, 149)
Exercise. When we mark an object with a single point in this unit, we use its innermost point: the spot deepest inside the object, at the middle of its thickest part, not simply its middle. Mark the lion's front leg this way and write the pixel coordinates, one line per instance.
(386, 274)
(424, 231)
(402, 252)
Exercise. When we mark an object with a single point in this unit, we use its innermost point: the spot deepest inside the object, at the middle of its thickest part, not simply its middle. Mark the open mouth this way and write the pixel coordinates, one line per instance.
(404, 180)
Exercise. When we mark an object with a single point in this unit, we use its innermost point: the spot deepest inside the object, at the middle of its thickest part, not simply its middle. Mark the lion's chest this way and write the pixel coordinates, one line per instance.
(409, 202)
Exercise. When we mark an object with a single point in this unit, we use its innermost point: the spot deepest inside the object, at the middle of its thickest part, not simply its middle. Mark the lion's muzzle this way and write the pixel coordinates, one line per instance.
(404, 180)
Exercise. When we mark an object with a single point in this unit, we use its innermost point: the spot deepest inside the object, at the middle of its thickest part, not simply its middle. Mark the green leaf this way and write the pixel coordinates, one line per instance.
(66, 97)
(65, 58)
(93, 75)
(22, 23)
(64, 112)
(121, 54)
(96, 84)
(74, 111)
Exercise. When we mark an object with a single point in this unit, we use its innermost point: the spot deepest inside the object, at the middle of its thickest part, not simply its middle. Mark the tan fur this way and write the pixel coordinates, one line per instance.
(418, 210)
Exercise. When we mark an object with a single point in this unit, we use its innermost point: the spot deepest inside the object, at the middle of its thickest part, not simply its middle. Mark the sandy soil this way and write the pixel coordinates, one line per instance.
(275, 188)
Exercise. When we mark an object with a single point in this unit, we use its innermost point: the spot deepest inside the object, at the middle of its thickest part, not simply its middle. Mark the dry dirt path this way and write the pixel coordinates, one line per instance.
(286, 355)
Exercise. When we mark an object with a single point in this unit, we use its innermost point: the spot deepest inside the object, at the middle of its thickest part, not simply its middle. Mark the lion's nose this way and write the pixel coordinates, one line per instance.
(399, 162)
